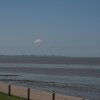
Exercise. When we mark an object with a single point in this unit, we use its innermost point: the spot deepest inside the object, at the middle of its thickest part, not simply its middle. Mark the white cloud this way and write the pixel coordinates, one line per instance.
(37, 41)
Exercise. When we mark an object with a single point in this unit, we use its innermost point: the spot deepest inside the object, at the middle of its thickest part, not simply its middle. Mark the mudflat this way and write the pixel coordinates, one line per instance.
(53, 71)
(50, 60)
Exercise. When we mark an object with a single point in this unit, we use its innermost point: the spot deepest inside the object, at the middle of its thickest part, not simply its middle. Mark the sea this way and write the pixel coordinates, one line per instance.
(74, 80)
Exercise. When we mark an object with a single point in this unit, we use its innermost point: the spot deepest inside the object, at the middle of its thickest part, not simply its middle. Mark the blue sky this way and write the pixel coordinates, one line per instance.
(50, 27)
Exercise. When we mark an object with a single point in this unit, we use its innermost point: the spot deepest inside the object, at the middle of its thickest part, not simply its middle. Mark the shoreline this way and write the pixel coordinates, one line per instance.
(71, 89)
(35, 93)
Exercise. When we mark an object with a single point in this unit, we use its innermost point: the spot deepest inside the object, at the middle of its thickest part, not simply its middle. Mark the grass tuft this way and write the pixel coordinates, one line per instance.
(4, 96)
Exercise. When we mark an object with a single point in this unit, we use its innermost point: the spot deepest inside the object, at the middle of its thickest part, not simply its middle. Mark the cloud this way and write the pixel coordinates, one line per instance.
(37, 41)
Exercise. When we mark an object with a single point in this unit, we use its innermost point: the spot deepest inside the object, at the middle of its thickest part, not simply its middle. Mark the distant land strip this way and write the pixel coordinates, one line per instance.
(36, 59)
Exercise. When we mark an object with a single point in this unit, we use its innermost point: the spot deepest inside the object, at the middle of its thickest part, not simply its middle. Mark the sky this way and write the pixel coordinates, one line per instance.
(50, 27)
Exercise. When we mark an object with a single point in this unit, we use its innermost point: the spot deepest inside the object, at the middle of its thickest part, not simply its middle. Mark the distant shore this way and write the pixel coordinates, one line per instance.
(49, 59)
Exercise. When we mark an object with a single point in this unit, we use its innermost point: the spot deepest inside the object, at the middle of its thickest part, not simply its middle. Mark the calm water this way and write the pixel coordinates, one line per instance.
(76, 80)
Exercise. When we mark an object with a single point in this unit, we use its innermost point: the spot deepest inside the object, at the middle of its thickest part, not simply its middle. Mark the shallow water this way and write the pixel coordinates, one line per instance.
(76, 80)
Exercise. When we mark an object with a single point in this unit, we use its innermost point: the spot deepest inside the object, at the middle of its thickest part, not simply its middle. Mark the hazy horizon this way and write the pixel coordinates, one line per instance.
(41, 55)
(50, 27)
